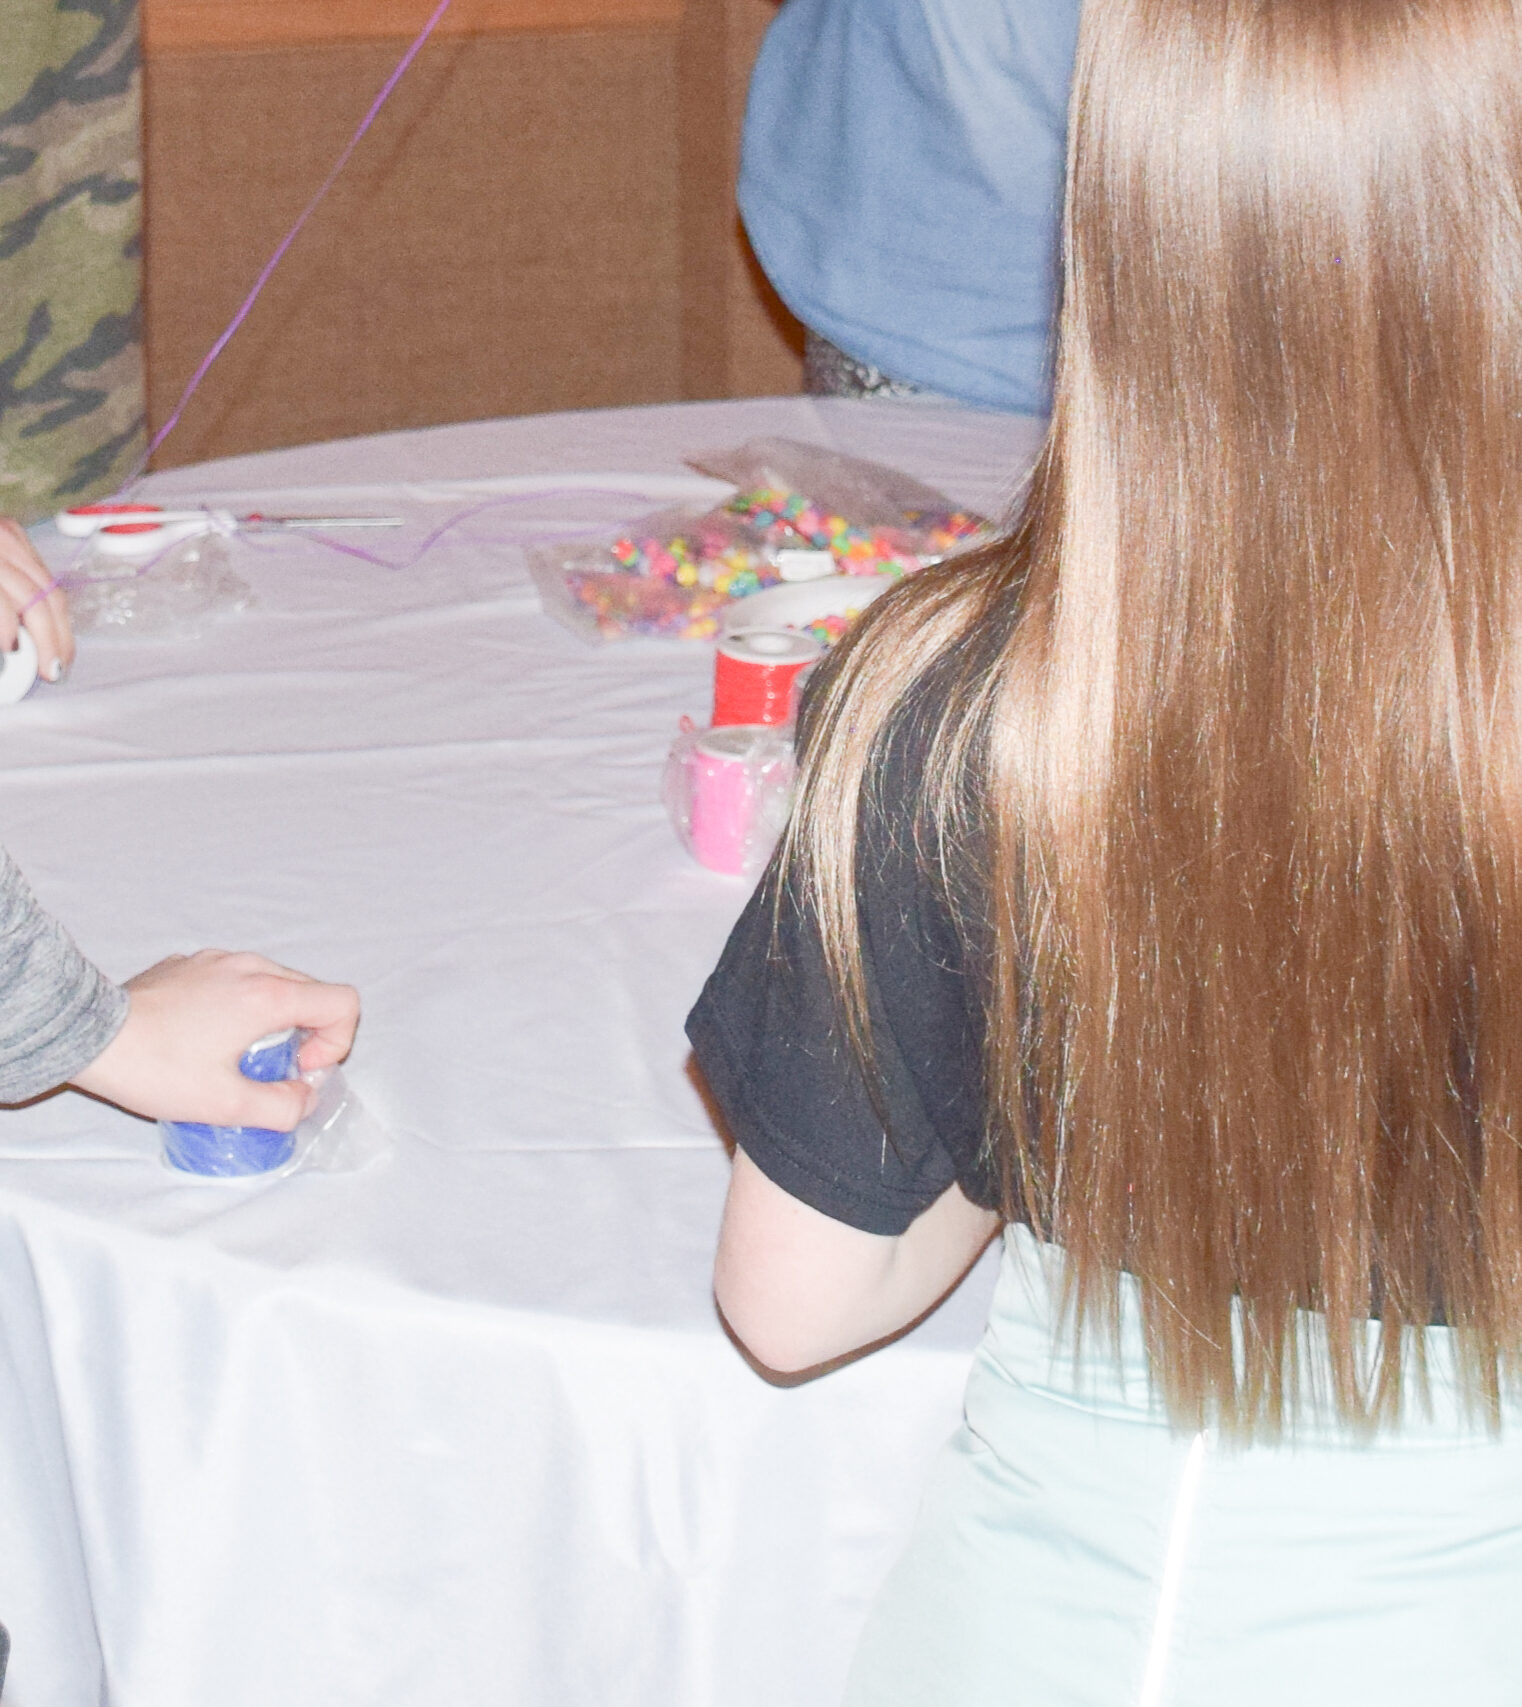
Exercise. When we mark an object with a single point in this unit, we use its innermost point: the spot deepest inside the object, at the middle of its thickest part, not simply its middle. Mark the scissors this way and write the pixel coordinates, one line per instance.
(132, 530)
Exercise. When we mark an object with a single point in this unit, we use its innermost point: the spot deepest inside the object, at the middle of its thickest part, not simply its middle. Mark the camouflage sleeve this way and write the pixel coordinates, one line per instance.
(57, 1011)
(71, 372)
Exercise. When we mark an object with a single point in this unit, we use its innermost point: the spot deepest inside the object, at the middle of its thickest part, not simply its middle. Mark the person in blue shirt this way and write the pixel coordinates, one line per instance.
(901, 184)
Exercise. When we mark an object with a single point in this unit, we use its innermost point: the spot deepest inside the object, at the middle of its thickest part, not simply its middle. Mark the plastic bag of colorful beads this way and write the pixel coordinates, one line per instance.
(872, 519)
(668, 575)
(601, 604)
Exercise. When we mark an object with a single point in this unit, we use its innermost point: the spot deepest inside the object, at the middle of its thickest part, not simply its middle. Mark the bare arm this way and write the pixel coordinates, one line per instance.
(799, 1289)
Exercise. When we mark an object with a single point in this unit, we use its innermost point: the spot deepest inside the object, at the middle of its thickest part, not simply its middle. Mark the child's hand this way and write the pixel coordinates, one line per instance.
(176, 1057)
(28, 594)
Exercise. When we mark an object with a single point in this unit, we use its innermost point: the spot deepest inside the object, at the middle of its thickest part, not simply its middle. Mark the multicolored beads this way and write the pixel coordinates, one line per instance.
(828, 629)
(674, 583)
(786, 518)
(623, 604)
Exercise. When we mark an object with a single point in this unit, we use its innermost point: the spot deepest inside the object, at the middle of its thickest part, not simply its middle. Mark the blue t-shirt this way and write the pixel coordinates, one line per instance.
(901, 182)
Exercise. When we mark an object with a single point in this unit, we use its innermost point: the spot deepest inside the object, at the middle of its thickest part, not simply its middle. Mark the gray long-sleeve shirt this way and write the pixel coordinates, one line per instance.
(57, 1011)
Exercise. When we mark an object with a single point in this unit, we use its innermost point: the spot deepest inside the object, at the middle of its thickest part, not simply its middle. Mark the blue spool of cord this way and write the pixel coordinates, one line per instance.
(229, 1151)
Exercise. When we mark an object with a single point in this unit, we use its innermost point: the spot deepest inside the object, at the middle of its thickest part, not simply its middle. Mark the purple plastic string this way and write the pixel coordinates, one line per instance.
(285, 243)
(73, 575)
(39, 596)
(123, 569)
(501, 502)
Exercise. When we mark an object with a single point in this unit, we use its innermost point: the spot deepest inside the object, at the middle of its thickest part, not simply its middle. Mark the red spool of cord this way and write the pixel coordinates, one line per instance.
(756, 675)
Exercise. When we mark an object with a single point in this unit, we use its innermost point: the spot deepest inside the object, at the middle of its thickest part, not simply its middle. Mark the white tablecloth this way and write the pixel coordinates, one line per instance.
(461, 1428)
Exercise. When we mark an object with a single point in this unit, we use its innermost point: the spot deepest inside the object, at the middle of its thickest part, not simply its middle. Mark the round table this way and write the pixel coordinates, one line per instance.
(461, 1427)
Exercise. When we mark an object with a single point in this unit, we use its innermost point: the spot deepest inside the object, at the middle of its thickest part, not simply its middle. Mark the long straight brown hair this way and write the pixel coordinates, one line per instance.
(1247, 761)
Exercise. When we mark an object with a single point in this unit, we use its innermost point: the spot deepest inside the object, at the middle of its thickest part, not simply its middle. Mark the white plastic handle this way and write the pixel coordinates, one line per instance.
(18, 670)
(91, 518)
(151, 540)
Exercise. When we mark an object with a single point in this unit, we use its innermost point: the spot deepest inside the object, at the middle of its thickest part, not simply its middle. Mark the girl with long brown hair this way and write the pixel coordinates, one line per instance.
(1156, 890)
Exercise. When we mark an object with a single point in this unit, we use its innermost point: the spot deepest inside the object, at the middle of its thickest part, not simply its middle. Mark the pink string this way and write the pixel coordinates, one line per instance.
(285, 243)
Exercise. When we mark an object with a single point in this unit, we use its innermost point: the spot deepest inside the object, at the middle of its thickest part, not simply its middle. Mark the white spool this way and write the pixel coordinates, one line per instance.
(18, 670)
(770, 646)
(798, 603)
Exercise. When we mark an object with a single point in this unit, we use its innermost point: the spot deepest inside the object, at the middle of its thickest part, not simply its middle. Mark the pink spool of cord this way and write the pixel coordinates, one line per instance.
(731, 776)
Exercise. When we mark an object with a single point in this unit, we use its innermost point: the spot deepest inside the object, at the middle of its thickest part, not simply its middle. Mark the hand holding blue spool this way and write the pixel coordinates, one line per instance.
(230, 1151)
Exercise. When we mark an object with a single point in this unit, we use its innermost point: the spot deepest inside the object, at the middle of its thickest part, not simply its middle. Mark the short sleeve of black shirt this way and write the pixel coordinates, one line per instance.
(773, 1046)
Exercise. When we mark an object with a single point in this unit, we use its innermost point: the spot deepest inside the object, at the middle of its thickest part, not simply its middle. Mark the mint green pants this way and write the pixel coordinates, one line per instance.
(1073, 1551)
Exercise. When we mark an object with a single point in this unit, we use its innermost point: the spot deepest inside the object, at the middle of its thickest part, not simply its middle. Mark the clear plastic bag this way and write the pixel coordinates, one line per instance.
(729, 791)
(873, 519)
(669, 575)
(673, 572)
(174, 592)
(338, 1136)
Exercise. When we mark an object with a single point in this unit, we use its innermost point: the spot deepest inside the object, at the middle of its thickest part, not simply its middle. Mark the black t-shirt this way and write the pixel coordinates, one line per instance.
(773, 1046)
(772, 1043)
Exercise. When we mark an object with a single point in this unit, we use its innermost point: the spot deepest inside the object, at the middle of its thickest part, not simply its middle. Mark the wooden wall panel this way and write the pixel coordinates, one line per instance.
(541, 219)
(738, 340)
(177, 26)
(505, 241)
